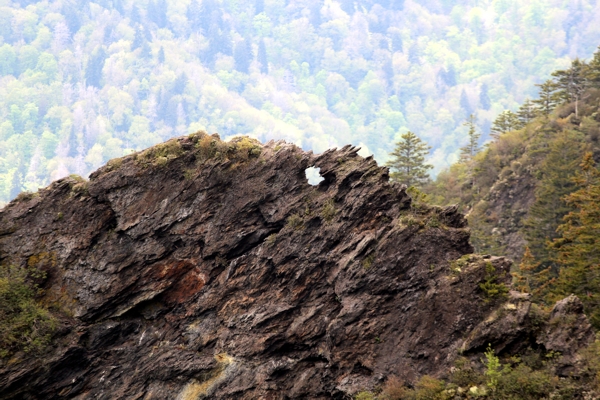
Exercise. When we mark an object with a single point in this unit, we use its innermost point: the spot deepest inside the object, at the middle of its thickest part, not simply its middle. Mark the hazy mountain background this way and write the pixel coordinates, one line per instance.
(83, 82)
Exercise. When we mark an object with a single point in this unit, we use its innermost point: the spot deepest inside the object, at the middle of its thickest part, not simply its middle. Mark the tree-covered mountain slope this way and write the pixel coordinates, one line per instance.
(534, 192)
(84, 82)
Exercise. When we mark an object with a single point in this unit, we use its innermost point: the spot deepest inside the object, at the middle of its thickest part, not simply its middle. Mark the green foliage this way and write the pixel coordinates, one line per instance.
(271, 239)
(530, 277)
(367, 263)
(578, 247)
(160, 154)
(433, 221)
(410, 220)
(547, 98)
(24, 324)
(408, 161)
(492, 290)
(494, 188)
(468, 151)
(492, 368)
(555, 182)
(505, 122)
(572, 82)
(528, 376)
(295, 221)
(328, 211)
(74, 96)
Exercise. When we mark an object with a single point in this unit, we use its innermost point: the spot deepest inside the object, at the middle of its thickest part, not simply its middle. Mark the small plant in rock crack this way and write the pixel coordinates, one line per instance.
(271, 239)
(295, 221)
(367, 263)
(409, 221)
(189, 174)
(433, 222)
(328, 212)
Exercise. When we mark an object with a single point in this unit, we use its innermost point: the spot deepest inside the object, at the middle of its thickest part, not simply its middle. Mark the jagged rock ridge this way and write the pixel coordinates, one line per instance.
(201, 269)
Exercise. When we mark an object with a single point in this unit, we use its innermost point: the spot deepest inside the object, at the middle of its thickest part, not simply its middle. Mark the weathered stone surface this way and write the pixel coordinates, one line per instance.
(197, 271)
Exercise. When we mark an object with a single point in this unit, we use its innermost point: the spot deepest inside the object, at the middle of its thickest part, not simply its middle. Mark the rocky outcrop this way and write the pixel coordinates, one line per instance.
(204, 269)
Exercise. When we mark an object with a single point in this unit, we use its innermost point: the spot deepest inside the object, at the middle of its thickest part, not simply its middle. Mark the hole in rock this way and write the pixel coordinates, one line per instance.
(313, 175)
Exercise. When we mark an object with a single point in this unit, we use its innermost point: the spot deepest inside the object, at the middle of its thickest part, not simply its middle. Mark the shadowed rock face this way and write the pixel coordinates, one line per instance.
(202, 269)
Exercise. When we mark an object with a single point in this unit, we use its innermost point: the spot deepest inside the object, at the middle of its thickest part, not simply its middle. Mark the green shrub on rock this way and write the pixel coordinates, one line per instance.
(24, 324)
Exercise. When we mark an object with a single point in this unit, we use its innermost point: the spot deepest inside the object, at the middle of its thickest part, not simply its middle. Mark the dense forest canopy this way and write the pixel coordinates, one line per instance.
(82, 82)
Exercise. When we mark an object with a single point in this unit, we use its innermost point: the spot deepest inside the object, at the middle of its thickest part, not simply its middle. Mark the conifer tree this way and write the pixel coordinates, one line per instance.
(594, 69)
(259, 6)
(408, 161)
(139, 39)
(505, 122)
(549, 207)
(242, 54)
(572, 82)
(146, 51)
(468, 151)
(531, 278)
(578, 248)
(548, 98)
(484, 97)
(397, 41)
(262, 57)
(465, 104)
(526, 113)
(93, 72)
(194, 15)
(161, 55)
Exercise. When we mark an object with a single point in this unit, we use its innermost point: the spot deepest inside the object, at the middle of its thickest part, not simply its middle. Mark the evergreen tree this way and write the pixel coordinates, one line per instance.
(179, 84)
(505, 122)
(139, 39)
(259, 6)
(72, 17)
(146, 51)
(220, 42)
(484, 98)
(157, 12)
(413, 54)
(526, 113)
(242, 55)
(16, 185)
(108, 32)
(531, 278)
(548, 98)
(161, 55)
(468, 151)
(594, 69)
(73, 144)
(555, 182)
(262, 57)
(135, 15)
(465, 104)
(572, 82)
(210, 14)
(408, 161)
(315, 13)
(450, 75)
(93, 72)
(397, 42)
(578, 248)
(194, 15)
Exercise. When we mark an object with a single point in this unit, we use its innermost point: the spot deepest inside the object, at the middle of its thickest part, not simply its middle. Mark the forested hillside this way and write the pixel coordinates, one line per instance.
(533, 194)
(82, 82)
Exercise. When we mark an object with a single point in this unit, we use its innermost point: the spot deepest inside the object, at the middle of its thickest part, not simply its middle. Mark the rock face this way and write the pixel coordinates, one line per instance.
(201, 269)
